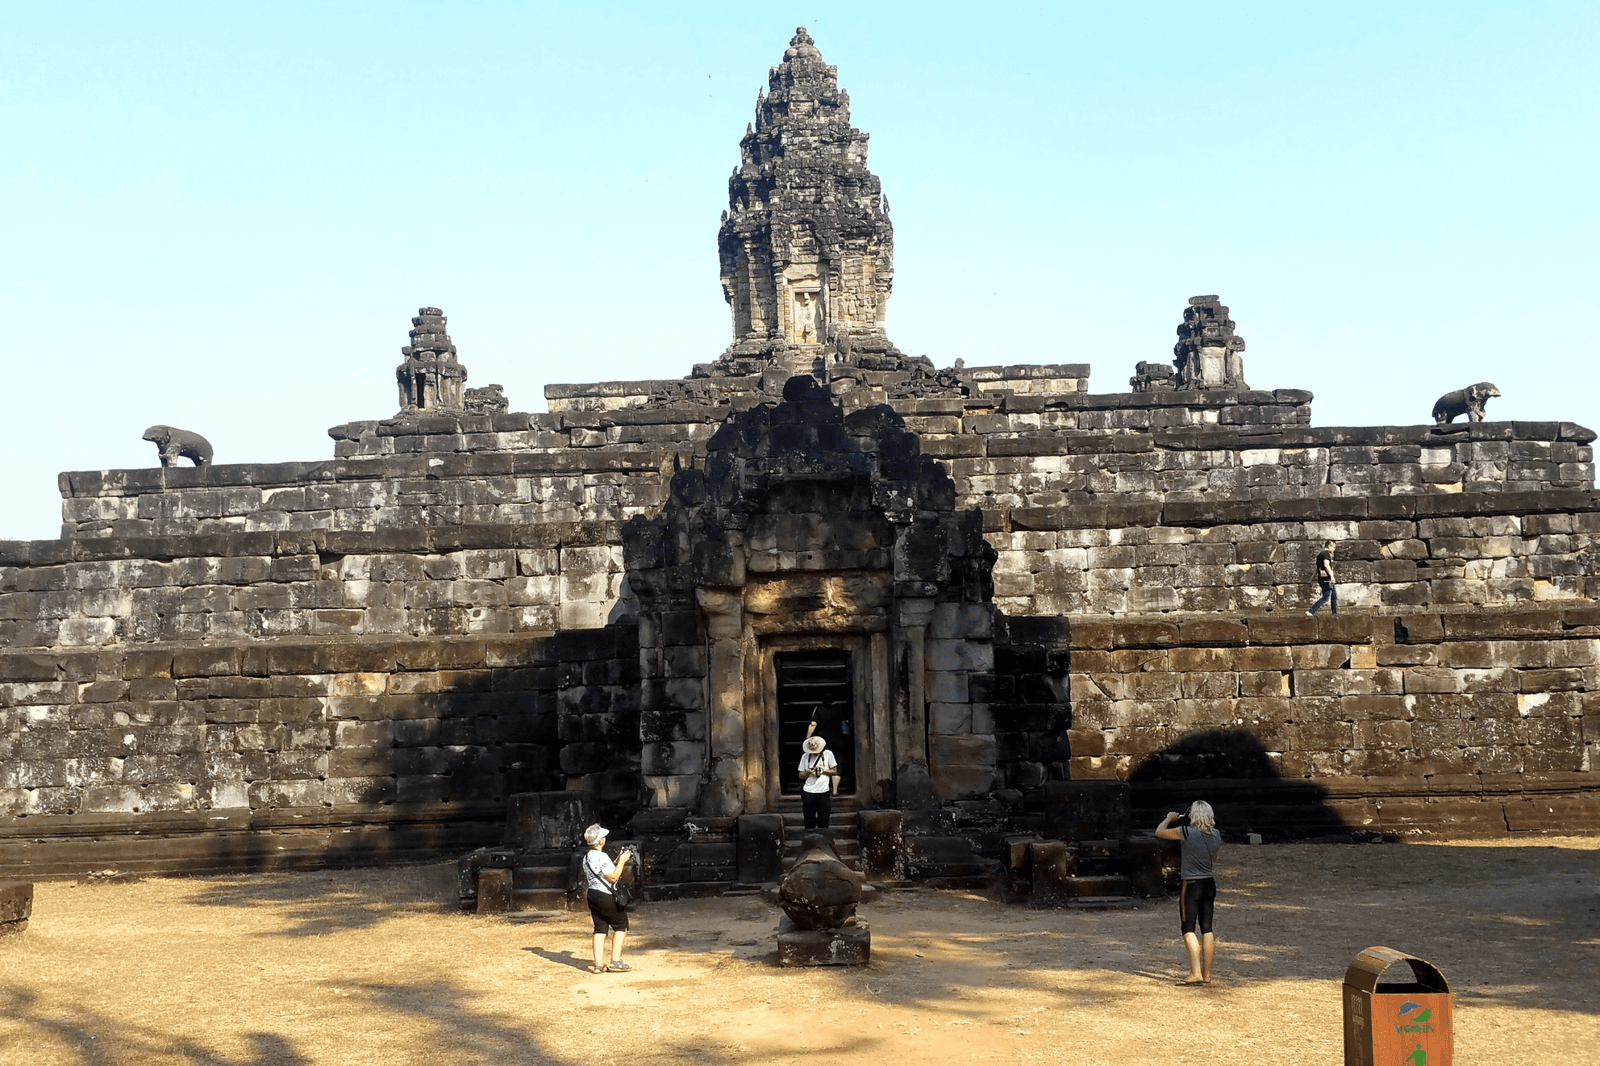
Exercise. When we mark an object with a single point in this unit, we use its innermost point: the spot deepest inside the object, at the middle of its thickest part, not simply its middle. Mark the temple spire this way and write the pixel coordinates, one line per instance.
(807, 249)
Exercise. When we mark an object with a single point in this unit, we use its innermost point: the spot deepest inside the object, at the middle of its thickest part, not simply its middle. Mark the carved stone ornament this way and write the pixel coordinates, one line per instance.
(820, 892)
(173, 443)
(1468, 401)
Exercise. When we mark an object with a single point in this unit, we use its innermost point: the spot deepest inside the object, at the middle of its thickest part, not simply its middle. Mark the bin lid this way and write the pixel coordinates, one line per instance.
(1367, 970)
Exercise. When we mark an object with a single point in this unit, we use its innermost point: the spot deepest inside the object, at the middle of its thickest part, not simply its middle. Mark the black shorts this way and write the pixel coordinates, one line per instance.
(1196, 903)
(605, 912)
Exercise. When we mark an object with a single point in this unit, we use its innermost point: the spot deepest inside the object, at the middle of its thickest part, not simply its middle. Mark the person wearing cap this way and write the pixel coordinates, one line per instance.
(819, 776)
(601, 874)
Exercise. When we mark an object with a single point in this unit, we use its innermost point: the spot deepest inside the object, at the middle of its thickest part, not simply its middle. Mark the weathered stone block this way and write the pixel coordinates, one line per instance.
(851, 946)
(760, 848)
(494, 890)
(16, 906)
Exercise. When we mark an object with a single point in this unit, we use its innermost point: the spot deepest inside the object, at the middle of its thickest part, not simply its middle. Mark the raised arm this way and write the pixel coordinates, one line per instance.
(1164, 831)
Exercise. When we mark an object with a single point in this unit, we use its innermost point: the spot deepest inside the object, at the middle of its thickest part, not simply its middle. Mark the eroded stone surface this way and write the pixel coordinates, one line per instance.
(430, 379)
(820, 891)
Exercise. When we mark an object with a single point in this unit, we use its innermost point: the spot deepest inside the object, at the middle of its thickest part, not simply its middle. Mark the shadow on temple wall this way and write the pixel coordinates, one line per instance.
(1233, 771)
(431, 780)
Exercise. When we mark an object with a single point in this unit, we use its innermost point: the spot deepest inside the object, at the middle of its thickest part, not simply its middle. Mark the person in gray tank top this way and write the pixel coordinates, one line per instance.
(1198, 844)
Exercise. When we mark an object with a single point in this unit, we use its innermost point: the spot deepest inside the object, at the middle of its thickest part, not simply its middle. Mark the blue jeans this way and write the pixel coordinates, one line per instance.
(1330, 596)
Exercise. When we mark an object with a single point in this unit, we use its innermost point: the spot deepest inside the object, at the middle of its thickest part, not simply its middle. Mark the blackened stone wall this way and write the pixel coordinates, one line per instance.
(291, 751)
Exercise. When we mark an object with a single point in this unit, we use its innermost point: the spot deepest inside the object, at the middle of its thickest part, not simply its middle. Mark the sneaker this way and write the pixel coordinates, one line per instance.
(619, 967)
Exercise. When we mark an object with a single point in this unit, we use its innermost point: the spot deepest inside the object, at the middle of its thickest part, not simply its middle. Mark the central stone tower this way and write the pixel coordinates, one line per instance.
(806, 245)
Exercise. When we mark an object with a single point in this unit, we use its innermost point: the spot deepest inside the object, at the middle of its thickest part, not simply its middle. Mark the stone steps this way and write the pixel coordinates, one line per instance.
(844, 826)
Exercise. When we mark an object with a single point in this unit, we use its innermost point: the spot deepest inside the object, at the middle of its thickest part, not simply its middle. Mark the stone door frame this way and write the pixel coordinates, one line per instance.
(869, 678)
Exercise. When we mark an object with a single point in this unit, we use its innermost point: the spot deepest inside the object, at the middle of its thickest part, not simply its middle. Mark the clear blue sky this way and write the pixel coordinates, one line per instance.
(222, 216)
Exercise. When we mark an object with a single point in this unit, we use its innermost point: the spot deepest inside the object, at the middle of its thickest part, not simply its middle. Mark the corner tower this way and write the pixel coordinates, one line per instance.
(806, 245)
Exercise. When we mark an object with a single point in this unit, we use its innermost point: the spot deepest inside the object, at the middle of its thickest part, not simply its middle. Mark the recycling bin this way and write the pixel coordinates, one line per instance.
(1393, 1020)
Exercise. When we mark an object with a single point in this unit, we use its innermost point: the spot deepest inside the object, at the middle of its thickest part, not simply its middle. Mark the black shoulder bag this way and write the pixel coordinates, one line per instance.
(622, 893)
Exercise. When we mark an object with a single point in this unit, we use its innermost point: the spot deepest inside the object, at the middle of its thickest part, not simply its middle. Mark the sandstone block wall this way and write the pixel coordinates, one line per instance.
(1427, 721)
(507, 528)
(452, 580)
(1123, 518)
(288, 751)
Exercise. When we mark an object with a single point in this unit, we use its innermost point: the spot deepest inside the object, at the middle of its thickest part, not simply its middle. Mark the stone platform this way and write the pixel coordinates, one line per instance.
(851, 946)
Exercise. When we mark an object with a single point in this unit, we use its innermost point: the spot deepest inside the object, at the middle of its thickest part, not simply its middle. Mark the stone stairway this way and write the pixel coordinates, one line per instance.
(846, 840)
(543, 880)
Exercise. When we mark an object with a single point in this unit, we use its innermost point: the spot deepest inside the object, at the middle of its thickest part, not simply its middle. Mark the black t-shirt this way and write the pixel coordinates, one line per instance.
(1324, 566)
(833, 719)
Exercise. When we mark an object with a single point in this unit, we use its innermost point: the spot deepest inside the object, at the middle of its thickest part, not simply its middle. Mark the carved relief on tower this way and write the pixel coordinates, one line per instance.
(806, 321)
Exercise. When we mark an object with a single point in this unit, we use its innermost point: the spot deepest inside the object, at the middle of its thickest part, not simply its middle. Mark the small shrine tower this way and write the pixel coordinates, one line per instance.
(806, 245)
(1207, 352)
(430, 378)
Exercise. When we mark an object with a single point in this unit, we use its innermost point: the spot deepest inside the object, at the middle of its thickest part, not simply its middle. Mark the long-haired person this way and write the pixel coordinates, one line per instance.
(1198, 843)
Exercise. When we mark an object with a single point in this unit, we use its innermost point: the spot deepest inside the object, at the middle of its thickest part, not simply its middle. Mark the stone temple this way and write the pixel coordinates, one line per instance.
(1048, 614)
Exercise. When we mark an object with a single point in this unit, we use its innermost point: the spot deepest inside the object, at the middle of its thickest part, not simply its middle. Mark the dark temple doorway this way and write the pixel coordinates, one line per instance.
(815, 684)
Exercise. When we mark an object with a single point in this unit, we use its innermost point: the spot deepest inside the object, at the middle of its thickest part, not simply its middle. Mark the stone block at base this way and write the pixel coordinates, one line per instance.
(16, 905)
(494, 891)
(851, 946)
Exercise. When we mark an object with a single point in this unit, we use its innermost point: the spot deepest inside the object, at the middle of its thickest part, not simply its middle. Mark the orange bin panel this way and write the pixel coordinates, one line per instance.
(1396, 1022)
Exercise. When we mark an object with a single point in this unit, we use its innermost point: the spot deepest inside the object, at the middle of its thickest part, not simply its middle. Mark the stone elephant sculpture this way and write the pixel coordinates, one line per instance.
(1468, 401)
(174, 443)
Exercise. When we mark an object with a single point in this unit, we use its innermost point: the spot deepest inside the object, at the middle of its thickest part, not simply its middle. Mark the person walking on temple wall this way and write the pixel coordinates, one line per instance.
(601, 875)
(1198, 843)
(1325, 580)
(819, 774)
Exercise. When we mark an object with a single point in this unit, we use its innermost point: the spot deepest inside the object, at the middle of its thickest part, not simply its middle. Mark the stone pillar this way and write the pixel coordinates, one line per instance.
(913, 785)
(723, 795)
(880, 835)
(16, 905)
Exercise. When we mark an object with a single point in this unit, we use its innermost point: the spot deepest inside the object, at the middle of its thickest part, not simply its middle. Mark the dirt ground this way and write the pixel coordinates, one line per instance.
(377, 966)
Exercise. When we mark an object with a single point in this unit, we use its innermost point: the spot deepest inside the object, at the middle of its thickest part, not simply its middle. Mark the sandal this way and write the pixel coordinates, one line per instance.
(619, 967)
(598, 969)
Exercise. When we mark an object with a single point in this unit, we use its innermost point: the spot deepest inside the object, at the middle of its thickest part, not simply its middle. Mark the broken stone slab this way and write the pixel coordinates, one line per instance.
(850, 946)
(16, 906)
(494, 890)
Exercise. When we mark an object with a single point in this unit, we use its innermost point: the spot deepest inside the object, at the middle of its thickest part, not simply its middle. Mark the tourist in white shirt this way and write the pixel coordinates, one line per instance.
(819, 775)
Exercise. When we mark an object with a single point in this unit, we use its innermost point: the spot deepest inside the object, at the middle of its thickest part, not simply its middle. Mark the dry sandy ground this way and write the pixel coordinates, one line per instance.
(377, 967)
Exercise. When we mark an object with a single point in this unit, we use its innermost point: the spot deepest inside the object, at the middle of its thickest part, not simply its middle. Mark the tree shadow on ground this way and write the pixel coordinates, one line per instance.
(327, 901)
(96, 1037)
